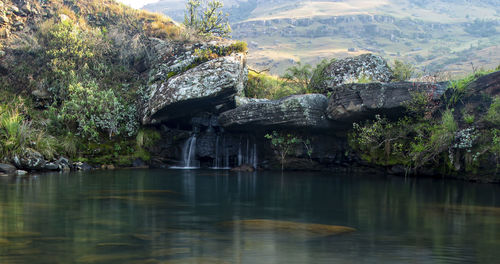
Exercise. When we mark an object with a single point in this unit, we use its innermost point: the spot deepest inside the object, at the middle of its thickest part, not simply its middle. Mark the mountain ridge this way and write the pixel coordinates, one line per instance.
(445, 35)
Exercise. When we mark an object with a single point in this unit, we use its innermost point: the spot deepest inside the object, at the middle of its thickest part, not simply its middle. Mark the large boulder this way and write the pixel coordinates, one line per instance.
(30, 160)
(351, 70)
(209, 86)
(297, 111)
(355, 102)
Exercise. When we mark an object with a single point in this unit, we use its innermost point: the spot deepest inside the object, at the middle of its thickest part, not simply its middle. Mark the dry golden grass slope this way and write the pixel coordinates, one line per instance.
(431, 34)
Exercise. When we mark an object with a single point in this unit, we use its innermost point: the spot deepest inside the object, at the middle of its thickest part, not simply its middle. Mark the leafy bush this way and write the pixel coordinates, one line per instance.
(261, 85)
(239, 46)
(402, 71)
(385, 143)
(493, 115)
(18, 134)
(299, 76)
(318, 76)
(70, 51)
(94, 110)
(283, 143)
(459, 87)
(206, 18)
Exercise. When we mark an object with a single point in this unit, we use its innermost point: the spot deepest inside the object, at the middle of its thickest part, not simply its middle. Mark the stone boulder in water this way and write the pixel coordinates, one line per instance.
(206, 87)
(296, 111)
(296, 228)
(30, 160)
(351, 70)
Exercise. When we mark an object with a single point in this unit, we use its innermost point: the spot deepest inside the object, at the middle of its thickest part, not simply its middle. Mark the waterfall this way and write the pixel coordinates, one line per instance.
(226, 153)
(217, 154)
(247, 158)
(240, 156)
(189, 155)
(255, 159)
(247, 152)
(221, 161)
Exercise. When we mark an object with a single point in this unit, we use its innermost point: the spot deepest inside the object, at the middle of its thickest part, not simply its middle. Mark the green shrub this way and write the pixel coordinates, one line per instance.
(410, 142)
(459, 87)
(402, 71)
(283, 143)
(261, 85)
(469, 118)
(493, 115)
(239, 46)
(206, 18)
(18, 134)
(70, 51)
(94, 110)
(364, 79)
(298, 76)
(316, 84)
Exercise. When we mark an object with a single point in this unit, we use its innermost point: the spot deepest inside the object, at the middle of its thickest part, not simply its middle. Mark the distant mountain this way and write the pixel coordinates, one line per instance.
(435, 35)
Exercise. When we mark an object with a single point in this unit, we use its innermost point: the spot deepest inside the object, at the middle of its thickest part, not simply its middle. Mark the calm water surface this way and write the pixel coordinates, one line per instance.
(175, 216)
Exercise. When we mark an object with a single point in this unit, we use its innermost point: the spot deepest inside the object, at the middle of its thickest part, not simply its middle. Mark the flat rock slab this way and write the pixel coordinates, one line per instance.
(356, 102)
(298, 111)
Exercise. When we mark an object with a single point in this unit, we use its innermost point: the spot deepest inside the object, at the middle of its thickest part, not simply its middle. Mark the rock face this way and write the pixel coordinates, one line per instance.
(209, 86)
(355, 102)
(30, 160)
(297, 111)
(7, 168)
(351, 70)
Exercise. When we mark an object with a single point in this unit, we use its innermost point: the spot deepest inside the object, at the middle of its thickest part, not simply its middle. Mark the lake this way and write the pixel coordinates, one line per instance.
(209, 216)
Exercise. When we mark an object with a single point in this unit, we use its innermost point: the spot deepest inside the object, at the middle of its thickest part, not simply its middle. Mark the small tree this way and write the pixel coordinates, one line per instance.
(299, 76)
(283, 143)
(206, 18)
(402, 71)
(318, 76)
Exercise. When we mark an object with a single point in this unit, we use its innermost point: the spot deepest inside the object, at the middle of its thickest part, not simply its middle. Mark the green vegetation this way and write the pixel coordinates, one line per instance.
(459, 87)
(298, 79)
(493, 115)
(299, 76)
(18, 134)
(75, 96)
(284, 143)
(453, 142)
(262, 85)
(206, 18)
(318, 76)
(402, 71)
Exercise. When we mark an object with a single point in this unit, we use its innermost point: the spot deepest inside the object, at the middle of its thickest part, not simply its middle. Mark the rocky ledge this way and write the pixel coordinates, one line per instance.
(297, 111)
(210, 86)
(356, 102)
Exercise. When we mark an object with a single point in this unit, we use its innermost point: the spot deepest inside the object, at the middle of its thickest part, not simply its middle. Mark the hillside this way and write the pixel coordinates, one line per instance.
(76, 77)
(444, 35)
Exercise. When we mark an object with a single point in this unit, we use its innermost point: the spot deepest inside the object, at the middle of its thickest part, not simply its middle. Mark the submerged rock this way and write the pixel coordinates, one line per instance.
(7, 168)
(244, 168)
(356, 102)
(81, 166)
(208, 86)
(351, 70)
(296, 111)
(51, 166)
(292, 227)
(21, 172)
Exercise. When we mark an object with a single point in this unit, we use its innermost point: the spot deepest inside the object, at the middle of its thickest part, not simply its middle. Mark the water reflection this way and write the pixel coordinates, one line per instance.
(161, 216)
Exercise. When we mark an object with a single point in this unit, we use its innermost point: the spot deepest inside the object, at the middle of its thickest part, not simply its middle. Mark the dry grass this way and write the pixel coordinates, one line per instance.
(110, 13)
